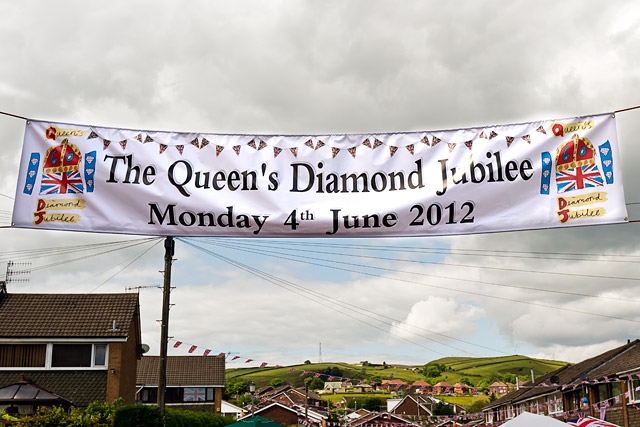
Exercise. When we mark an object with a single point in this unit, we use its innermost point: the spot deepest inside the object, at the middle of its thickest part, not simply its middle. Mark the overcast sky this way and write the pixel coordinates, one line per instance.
(340, 67)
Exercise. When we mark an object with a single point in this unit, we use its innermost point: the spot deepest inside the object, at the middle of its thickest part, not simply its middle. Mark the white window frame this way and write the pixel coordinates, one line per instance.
(49, 355)
(634, 396)
(555, 409)
(93, 358)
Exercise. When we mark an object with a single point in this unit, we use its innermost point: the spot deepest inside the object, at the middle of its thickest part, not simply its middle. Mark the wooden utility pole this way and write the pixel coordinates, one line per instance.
(169, 246)
(625, 410)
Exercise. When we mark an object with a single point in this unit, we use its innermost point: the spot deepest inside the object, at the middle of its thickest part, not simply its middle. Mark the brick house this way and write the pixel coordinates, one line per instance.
(379, 418)
(393, 385)
(415, 406)
(442, 387)
(419, 406)
(80, 347)
(290, 415)
(421, 387)
(499, 387)
(193, 382)
(460, 388)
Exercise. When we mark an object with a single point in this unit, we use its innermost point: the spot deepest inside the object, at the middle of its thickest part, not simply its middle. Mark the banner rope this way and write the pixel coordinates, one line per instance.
(13, 115)
(25, 118)
(627, 109)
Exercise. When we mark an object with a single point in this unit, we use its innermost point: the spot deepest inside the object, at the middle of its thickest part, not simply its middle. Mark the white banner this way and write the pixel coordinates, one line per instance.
(546, 174)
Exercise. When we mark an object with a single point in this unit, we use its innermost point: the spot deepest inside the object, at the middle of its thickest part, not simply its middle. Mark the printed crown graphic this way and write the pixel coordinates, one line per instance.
(62, 158)
(574, 153)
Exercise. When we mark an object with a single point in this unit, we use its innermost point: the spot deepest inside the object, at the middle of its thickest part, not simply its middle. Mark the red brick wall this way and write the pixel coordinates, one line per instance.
(408, 407)
(217, 396)
(280, 415)
(123, 358)
(614, 415)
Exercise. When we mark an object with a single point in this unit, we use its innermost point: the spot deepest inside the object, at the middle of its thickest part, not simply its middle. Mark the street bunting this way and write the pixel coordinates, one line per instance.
(546, 174)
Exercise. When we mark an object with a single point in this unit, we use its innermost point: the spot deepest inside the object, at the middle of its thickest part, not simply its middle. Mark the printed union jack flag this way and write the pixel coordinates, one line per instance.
(61, 183)
(590, 422)
(578, 178)
(195, 394)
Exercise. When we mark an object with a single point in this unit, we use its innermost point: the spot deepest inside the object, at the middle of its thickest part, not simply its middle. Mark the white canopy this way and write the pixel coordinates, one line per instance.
(527, 419)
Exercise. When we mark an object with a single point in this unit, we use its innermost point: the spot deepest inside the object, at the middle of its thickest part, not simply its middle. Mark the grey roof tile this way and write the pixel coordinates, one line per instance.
(183, 370)
(67, 315)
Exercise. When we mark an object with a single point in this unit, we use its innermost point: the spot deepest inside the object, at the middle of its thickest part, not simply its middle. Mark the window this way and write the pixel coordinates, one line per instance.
(100, 355)
(54, 355)
(609, 390)
(71, 356)
(195, 394)
(78, 355)
(634, 390)
(149, 395)
(555, 404)
(173, 395)
(23, 355)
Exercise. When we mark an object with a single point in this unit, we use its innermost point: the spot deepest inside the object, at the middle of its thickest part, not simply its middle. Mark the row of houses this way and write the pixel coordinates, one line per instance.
(605, 386)
(418, 387)
(297, 406)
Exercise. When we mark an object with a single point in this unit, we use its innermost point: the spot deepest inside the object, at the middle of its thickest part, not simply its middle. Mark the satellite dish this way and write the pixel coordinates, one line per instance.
(145, 348)
(555, 379)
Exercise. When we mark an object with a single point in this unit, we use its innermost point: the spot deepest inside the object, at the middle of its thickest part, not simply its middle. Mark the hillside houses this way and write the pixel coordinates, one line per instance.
(421, 387)
(393, 385)
(499, 387)
(442, 387)
(396, 385)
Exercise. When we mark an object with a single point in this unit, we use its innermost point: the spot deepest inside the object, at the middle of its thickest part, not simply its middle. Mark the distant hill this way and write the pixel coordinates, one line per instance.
(473, 369)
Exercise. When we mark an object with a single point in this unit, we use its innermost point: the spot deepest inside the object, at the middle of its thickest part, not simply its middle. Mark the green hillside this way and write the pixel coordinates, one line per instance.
(483, 367)
(471, 369)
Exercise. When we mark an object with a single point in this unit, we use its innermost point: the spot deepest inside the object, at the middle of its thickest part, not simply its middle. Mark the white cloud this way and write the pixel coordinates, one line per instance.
(439, 318)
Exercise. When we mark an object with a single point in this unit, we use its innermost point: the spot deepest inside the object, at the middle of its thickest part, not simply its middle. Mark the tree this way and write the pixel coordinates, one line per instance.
(276, 382)
(509, 378)
(477, 405)
(332, 371)
(314, 383)
(243, 400)
(433, 370)
(369, 403)
(235, 388)
(307, 362)
(442, 408)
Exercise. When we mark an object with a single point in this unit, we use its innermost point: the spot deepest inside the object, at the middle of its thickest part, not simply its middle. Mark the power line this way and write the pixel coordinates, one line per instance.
(395, 270)
(299, 290)
(299, 258)
(546, 255)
